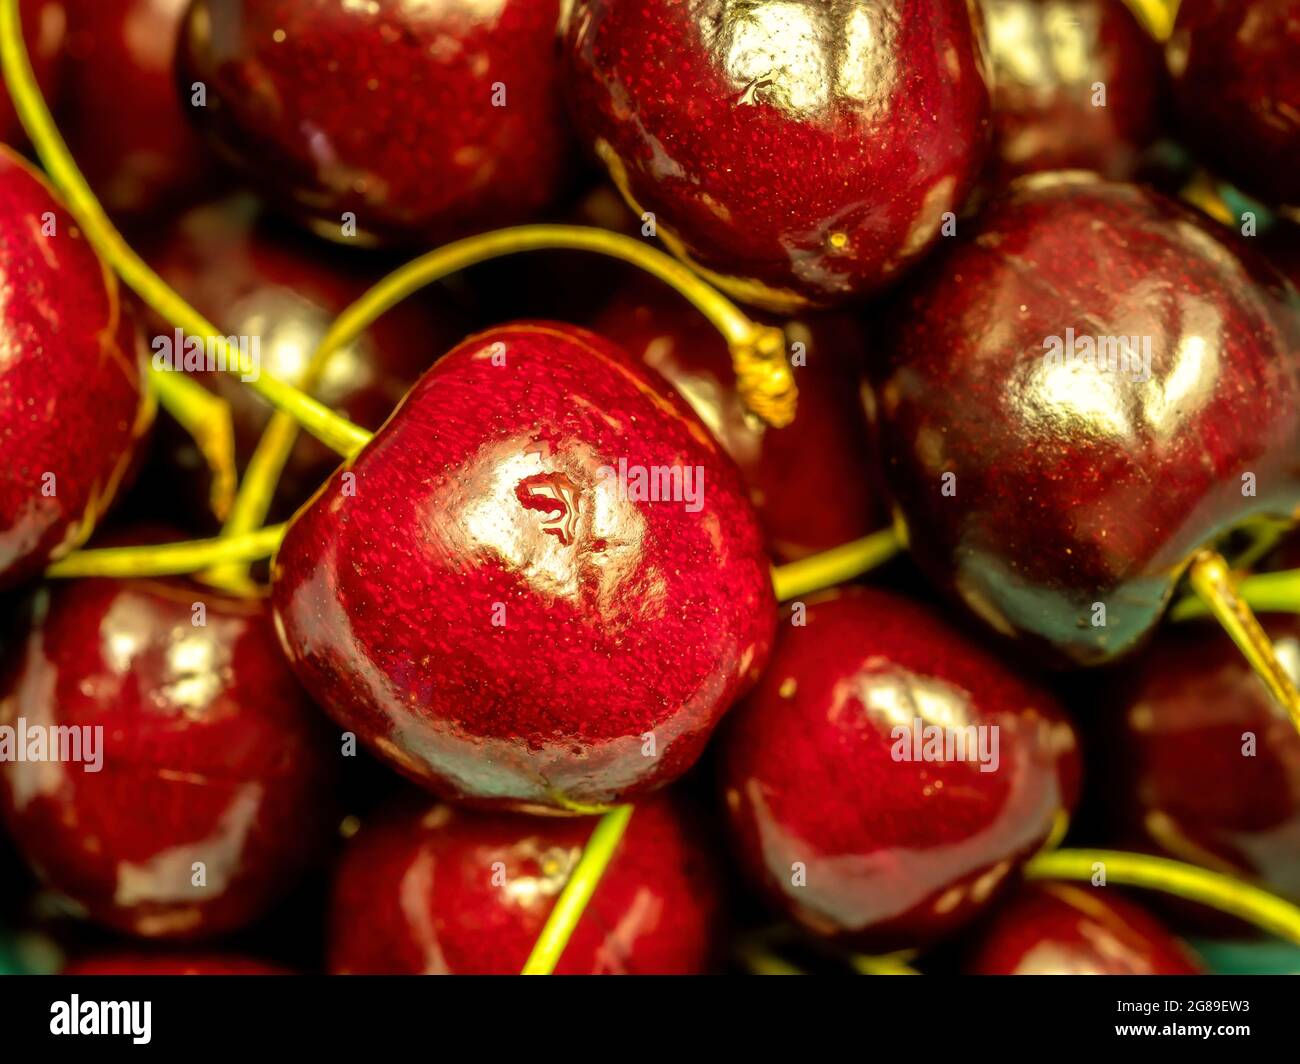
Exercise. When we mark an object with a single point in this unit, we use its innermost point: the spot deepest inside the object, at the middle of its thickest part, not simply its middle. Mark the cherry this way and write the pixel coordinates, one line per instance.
(1062, 501)
(805, 480)
(846, 827)
(426, 121)
(431, 889)
(253, 277)
(800, 154)
(170, 964)
(484, 598)
(1048, 60)
(1199, 763)
(1062, 929)
(44, 25)
(73, 404)
(211, 789)
(120, 112)
(1235, 66)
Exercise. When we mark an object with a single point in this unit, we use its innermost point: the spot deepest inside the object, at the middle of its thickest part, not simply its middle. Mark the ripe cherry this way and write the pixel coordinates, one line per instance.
(1236, 78)
(799, 153)
(1076, 85)
(170, 964)
(486, 596)
(425, 121)
(1063, 929)
(435, 890)
(1060, 496)
(805, 480)
(1200, 764)
(207, 791)
(73, 404)
(847, 826)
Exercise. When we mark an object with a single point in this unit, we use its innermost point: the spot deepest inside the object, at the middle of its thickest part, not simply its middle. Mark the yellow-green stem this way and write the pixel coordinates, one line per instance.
(319, 420)
(1224, 893)
(888, 964)
(758, 959)
(577, 892)
(169, 559)
(1156, 15)
(835, 566)
(1263, 592)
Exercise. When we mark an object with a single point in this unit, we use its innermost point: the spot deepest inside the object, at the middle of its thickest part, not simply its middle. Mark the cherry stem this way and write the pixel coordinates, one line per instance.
(763, 375)
(835, 566)
(1224, 893)
(888, 964)
(1157, 16)
(757, 959)
(169, 559)
(319, 420)
(1263, 592)
(1211, 579)
(577, 892)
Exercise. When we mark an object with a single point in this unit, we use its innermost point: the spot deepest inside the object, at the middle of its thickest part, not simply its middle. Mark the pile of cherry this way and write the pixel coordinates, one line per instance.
(388, 750)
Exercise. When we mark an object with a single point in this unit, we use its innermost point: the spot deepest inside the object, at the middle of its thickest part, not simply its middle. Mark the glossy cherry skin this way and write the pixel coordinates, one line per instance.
(1067, 929)
(73, 406)
(806, 481)
(894, 852)
(434, 890)
(209, 753)
(800, 153)
(253, 276)
(170, 964)
(427, 121)
(1235, 66)
(1046, 57)
(1199, 762)
(1036, 490)
(122, 113)
(493, 615)
(44, 25)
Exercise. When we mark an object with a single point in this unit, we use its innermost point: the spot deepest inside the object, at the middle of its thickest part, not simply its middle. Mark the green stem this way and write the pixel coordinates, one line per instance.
(577, 892)
(888, 964)
(319, 420)
(1224, 893)
(835, 566)
(206, 419)
(169, 559)
(1263, 592)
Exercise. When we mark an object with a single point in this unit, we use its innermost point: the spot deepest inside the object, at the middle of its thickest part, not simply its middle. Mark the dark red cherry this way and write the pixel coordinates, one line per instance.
(1076, 85)
(851, 805)
(807, 480)
(122, 114)
(1199, 762)
(44, 25)
(800, 153)
(1236, 76)
(1058, 494)
(206, 792)
(1064, 929)
(433, 890)
(254, 277)
(73, 404)
(426, 121)
(488, 599)
(170, 964)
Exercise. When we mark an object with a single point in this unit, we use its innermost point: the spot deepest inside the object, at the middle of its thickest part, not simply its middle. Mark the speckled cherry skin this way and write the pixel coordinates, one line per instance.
(1073, 485)
(122, 113)
(488, 613)
(386, 109)
(1235, 67)
(807, 481)
(170, 964)
(44, 24)
(434, 890)
(1179, 780)
(896, 853)
(210, 752)
(252, 275)
(1046, 56)
(800, 153)
(1069, 929)
(72, 399)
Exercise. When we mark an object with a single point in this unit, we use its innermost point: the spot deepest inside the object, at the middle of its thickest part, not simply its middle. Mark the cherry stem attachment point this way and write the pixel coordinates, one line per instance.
(169, 559)
(331, 429)
(763, 375)
(1211, 579)
(835, 566)
(577, 892)
(1189, 882)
